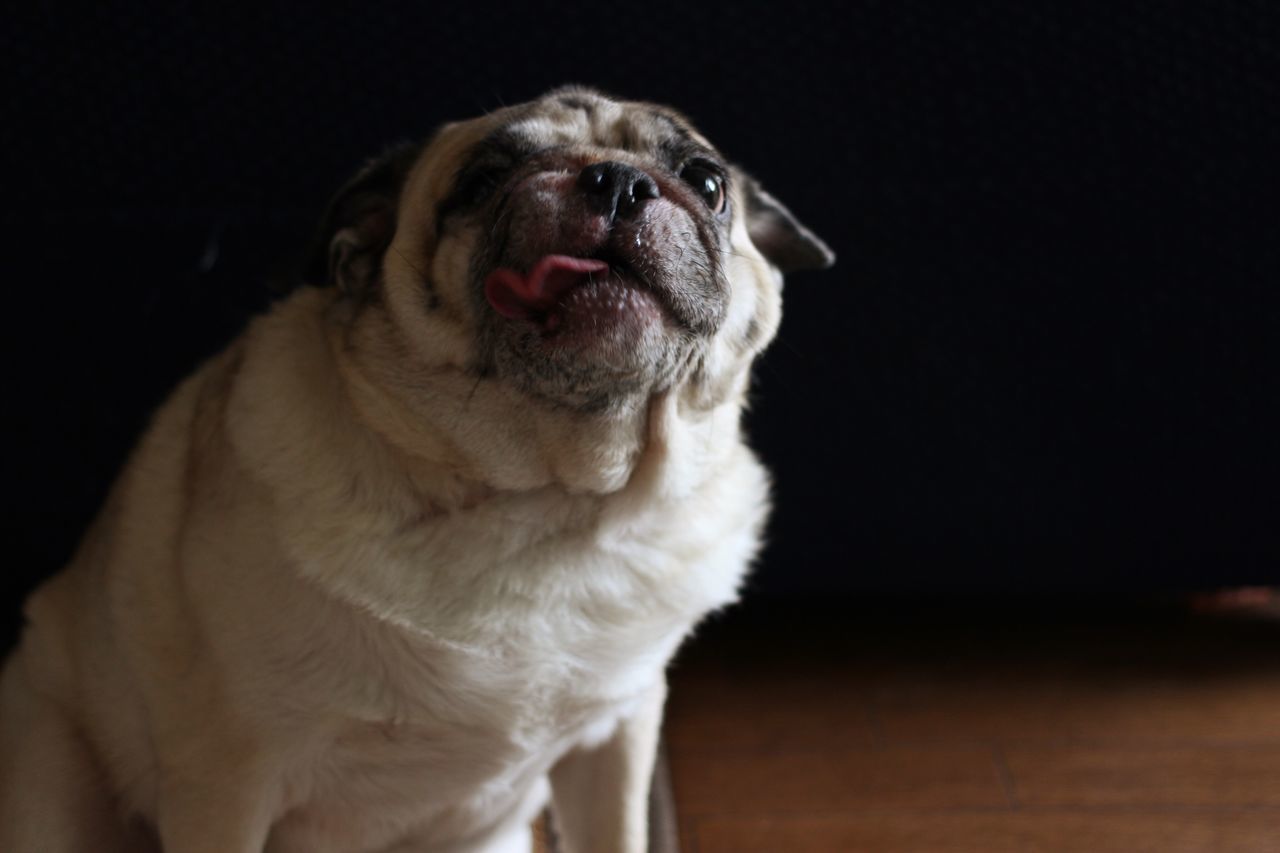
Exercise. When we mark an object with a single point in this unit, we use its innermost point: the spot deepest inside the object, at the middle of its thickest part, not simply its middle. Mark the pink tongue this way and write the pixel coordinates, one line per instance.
(518, 296)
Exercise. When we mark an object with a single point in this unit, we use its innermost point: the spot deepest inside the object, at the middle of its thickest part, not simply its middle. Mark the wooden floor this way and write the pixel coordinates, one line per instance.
(978, 731)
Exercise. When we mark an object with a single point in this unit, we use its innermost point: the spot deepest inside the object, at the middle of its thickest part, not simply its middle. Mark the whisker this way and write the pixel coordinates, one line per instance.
(410, 263)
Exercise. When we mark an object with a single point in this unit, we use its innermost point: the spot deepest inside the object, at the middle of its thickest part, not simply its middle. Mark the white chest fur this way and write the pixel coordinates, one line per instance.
(464, 652)
(476, 648)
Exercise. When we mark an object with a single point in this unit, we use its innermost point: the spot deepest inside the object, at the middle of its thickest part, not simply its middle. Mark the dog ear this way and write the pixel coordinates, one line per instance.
(780, 237)
(358, 224)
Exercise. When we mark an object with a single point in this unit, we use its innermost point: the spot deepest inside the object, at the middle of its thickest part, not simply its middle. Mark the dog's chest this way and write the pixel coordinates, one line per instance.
(489, 647)
(447, 740)
(491, 717)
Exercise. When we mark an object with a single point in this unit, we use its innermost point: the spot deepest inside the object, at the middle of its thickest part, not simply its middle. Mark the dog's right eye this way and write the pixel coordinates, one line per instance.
(708, 183)
(490, 163)
(473, 186)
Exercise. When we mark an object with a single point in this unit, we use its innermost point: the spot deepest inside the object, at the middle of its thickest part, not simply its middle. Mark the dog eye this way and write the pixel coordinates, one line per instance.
(475, 184)
(708, 184)
(471, 188)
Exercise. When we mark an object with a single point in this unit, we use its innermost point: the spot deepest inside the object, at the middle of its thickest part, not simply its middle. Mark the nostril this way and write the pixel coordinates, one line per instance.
(617, 189)
(644, 187)
(594, 179)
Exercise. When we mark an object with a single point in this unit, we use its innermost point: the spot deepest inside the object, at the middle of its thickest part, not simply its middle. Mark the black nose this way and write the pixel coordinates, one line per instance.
(617, 189)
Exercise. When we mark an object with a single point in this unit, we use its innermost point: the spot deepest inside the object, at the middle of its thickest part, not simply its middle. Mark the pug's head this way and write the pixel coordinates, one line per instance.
(584, 251)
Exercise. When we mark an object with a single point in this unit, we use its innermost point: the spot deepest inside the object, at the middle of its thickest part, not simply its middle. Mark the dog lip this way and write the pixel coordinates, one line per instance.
(518, 295)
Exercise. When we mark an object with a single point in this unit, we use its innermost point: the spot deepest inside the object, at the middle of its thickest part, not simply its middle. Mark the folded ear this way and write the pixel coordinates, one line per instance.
(780, 237)
(358, 224)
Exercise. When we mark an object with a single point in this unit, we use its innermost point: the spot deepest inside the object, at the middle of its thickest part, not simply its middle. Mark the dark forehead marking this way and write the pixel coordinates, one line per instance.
(680, 144)
(672, 125)
(577, 102)
(502, 142)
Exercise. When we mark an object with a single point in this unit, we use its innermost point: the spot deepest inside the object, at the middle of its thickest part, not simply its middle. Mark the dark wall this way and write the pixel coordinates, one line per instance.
(1047, 354)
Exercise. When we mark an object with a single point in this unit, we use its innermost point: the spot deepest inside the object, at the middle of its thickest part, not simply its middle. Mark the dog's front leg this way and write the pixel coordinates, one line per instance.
(214, 819)
(220, 799)
(600, 794)
(54, 795)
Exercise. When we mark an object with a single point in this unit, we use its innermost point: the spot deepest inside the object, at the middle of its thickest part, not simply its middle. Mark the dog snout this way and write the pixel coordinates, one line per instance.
(617, 190)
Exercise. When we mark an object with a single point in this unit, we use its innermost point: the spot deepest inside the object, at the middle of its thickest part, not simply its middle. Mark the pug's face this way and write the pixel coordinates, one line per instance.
(583, 250)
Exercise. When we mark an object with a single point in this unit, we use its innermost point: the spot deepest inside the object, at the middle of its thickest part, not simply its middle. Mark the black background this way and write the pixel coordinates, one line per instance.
(1045, 360)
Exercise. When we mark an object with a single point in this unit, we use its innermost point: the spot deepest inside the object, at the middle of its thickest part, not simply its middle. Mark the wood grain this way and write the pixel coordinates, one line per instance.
(1174, 776)
(767, 710)
(1120, 733)
(836, 779)
(1133, 707)
(1036, 832)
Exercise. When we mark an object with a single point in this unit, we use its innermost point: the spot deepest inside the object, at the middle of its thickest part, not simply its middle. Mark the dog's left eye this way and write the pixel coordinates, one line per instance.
(477, 183)
(708, 183)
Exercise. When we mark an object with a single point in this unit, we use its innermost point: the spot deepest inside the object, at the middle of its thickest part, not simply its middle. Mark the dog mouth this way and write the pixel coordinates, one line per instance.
(563, 293)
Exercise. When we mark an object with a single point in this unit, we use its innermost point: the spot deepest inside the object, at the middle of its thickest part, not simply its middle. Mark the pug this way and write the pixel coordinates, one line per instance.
(407, 560)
